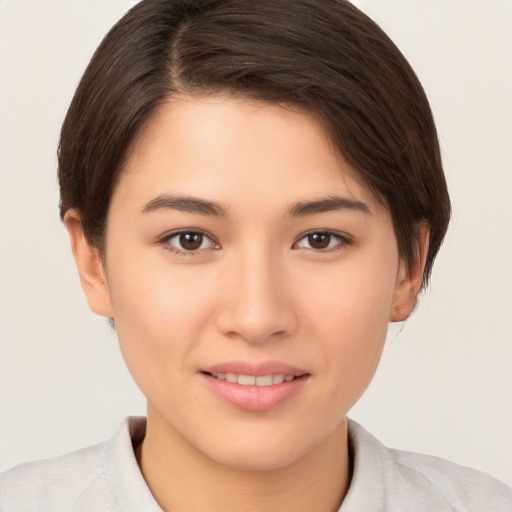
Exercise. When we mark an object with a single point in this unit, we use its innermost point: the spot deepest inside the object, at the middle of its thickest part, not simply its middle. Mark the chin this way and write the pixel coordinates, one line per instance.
(257, 461)
(250, 454)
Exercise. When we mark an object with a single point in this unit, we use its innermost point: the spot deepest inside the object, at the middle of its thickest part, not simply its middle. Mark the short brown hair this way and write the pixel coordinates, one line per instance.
(324, 57)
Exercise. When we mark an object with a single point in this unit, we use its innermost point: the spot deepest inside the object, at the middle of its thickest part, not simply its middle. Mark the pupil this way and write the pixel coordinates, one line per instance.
(319, 240)
(191, 241)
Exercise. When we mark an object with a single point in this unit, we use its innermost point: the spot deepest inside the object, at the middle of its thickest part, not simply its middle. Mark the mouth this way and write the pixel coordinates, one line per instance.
(254, 380)
(258, 389)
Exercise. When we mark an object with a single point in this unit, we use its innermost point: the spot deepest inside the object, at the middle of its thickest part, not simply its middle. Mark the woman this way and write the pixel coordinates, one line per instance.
(253, 191)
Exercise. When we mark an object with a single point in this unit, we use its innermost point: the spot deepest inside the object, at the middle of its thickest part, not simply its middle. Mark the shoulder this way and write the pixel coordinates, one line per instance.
(412, 481)
(102, 477)
(461, 487)
(50, 483)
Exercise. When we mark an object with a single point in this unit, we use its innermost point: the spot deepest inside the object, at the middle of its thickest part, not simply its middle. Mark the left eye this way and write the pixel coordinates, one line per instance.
(189, 241)
(320, 240)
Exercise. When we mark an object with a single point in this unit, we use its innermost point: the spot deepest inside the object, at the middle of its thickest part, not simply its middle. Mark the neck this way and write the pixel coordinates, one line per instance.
(182, 478)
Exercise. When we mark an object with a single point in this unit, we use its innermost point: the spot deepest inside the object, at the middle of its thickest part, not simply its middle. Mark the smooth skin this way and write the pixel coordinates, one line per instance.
(291, 260)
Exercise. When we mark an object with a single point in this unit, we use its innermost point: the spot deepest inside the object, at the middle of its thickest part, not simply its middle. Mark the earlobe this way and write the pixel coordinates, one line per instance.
(90, 267)
(410, 279)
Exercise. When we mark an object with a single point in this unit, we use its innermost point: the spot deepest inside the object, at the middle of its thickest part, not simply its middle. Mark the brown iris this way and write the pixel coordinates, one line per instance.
(319, 240)
(191, 241)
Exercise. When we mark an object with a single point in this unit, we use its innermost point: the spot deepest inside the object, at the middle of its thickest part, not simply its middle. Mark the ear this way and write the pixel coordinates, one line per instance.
(409, 280)
(90, 267)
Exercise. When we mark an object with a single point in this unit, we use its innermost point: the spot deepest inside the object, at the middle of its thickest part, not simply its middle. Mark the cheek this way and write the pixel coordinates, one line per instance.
(159, 313)
(349, 317)
(353, 301)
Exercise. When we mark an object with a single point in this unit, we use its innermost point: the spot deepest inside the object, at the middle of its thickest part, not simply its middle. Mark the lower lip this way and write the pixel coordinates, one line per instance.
(255, 398)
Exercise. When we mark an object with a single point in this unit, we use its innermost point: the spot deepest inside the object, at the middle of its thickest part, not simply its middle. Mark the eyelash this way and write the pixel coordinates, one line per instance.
(343, 241)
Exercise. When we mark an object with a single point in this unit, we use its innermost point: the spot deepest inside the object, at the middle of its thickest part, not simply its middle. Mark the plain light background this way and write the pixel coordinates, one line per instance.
(444, 386)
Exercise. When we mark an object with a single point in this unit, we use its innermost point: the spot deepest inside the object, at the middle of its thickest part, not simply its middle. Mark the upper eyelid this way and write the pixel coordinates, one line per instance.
(340, 234)
(173, 233)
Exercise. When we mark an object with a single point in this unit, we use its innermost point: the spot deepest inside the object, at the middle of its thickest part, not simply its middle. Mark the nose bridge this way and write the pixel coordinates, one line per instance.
(257, 306)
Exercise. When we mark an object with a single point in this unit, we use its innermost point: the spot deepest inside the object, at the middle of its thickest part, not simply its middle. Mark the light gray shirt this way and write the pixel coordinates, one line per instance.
(106, 477)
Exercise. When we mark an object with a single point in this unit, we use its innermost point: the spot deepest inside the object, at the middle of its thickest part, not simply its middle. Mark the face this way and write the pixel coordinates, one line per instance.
(251, 277)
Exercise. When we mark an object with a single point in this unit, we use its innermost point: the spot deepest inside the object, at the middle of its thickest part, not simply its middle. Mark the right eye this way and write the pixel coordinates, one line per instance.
(187, 242)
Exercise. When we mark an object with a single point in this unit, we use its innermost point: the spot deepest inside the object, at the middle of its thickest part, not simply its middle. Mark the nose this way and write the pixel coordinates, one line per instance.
(257, 306)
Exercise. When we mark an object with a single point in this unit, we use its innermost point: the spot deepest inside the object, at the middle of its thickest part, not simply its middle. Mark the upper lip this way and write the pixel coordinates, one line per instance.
(257, 369)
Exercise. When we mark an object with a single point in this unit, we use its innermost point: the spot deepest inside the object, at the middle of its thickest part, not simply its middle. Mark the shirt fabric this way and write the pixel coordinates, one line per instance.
(106, 477)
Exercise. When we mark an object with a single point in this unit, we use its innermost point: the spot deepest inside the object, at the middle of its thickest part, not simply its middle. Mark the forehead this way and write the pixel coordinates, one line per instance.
(238, 152)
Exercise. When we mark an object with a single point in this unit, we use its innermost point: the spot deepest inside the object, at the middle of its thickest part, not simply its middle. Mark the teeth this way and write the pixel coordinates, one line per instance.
(252, 380)
(247, 380)
(278, 379)
(264, 380)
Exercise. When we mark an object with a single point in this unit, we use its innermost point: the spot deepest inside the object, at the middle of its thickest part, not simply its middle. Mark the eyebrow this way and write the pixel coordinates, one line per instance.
(185, 204)
(301, 209)
(328, 204)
